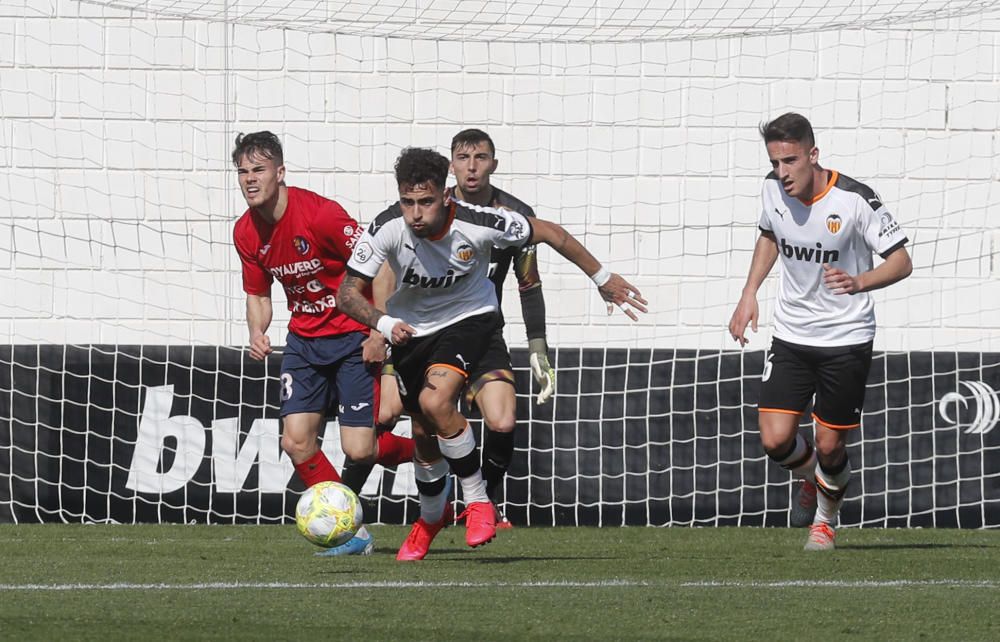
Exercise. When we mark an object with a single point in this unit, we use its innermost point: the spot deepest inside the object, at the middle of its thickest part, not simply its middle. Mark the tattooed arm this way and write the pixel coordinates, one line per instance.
(352, 302)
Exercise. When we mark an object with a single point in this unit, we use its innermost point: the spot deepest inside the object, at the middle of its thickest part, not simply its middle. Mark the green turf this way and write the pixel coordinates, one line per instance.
(634, 583)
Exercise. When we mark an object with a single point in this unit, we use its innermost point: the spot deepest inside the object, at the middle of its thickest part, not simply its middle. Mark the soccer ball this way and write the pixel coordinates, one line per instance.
(328, 514)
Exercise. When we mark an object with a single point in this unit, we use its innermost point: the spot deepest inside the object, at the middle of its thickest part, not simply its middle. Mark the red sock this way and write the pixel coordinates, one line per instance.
(316, 469)
(394, 450)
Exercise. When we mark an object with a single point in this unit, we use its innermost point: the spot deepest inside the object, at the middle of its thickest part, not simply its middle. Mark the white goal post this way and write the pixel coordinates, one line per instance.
(125, 393)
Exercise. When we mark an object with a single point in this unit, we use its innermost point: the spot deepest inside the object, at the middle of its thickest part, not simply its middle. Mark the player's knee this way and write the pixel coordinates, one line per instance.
(436, 407)
(774, 444)
(298, 447)
(777, 431)
(361, 453)
(500, 422)
(830, 454)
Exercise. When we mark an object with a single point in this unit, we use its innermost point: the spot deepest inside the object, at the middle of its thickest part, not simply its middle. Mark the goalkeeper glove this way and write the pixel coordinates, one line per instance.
(544, 373)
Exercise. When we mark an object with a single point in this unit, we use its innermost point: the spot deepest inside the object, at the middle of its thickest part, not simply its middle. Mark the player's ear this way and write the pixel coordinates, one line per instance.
(814, 155)
(281, 173)
(493, 167)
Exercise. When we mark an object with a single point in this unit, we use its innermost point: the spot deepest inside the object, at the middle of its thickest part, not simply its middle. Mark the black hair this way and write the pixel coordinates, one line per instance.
(417, 165)
(471, 138)
(262, 143)
(789, 127)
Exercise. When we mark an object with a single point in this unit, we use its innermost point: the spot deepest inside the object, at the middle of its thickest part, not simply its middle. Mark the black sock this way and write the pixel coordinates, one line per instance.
(498, 450)
(354, 475)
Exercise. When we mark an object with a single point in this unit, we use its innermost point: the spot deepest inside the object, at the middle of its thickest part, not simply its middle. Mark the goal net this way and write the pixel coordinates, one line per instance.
(125, 390)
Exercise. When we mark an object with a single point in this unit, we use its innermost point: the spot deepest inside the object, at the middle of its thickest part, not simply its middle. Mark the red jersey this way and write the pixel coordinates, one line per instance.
(307, 251)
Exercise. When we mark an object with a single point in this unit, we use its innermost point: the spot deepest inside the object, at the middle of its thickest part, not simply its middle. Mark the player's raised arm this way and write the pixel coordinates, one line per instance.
(765, 253)
(613, 288)
(352, 302)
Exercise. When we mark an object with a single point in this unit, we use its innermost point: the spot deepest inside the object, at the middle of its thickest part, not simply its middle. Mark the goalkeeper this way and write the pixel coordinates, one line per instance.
(491, 384)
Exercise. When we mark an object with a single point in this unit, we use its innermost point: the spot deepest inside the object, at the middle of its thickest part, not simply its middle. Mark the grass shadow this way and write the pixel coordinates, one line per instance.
(915, 546)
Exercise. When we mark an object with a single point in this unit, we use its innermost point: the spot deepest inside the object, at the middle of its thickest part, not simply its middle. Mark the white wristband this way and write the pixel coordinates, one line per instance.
(601, 277)
(385, 325)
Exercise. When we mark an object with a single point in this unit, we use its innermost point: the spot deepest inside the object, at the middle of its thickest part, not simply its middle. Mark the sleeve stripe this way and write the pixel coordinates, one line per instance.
(894, 248)
(358, 273)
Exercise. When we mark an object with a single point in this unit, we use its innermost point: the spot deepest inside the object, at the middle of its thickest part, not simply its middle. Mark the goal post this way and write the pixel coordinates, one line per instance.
(125, 391)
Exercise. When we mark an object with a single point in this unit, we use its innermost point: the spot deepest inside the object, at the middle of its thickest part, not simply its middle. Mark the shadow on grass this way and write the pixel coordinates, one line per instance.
(914, 546)
(462, 555)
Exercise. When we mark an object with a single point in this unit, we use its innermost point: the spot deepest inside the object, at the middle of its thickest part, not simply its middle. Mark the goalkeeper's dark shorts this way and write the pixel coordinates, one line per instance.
(837, 376)
(493, 366)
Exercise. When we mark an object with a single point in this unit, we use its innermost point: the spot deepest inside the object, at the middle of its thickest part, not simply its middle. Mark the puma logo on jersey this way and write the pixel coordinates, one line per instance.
(780, 214)
(465, 364)
(412, 278)
(812, 255)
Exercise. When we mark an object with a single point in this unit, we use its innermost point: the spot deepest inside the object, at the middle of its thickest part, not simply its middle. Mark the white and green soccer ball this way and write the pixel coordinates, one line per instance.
(328, 514)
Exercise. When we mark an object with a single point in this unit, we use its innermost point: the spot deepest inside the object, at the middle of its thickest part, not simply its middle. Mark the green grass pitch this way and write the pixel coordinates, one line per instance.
(263, 583)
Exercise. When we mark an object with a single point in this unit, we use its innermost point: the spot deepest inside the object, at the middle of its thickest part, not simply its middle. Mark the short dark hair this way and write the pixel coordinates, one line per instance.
(789, 127)
(471, 138)
(262, 143)
(417, 165)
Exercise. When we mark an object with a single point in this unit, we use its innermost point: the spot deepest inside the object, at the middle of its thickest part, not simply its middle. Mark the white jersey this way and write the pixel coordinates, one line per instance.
(842, 227)
(440, 280)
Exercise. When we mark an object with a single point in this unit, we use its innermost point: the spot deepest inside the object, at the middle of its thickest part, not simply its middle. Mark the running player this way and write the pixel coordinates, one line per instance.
(304, 240)
(491, 387)
(825, 227)
(443, 318)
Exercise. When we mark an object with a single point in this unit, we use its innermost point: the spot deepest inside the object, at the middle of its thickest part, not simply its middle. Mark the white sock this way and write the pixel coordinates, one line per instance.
(474, 488)
(827, 508)
(432, 506)
(802, 460)
(460, 448)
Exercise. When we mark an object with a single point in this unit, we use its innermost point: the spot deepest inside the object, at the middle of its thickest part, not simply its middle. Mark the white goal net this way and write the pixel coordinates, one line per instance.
(125, 393)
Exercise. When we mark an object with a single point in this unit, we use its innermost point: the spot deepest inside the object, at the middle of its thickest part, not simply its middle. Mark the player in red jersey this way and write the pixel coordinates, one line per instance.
(304, 241)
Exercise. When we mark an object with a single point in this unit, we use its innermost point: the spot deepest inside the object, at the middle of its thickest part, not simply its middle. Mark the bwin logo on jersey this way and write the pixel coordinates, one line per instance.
(817, 255)
(987, 407)
(446, 281)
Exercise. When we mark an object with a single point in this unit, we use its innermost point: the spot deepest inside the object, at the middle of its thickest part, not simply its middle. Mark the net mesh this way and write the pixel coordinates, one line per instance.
(633, 124)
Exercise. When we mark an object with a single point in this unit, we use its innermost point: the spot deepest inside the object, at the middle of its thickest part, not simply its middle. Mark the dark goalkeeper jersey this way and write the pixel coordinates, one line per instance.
(525, 261)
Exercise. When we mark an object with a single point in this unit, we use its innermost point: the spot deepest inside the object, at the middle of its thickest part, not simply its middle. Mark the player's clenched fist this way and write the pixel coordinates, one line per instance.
(396, 331)
(260, 347)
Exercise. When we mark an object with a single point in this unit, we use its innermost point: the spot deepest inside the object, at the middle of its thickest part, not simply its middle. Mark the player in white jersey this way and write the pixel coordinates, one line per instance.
(824, 227)
(491, 386)
(441, 320)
